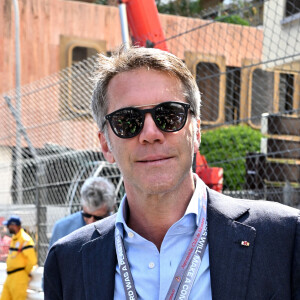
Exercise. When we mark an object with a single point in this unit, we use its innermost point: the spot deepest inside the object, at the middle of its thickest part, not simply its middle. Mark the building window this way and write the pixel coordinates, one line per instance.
(82, 53)
(292, 7)
(79, 78)
(262, 94)
(271, 92)
(208, 80)
(77, 59)
(286, 92)
(232, 101)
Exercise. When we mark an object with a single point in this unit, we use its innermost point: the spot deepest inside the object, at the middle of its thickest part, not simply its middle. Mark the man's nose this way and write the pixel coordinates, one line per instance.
(150, 132)
(91, 220)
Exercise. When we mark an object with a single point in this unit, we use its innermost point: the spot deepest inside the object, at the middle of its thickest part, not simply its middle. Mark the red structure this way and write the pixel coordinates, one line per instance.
(144, 24)
(212, 176)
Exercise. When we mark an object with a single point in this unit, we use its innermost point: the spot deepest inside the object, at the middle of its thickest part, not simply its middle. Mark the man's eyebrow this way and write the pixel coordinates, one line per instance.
(138, 106)
(153, 104)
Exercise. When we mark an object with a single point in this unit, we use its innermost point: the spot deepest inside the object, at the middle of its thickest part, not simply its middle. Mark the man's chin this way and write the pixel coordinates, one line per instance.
(158, 185)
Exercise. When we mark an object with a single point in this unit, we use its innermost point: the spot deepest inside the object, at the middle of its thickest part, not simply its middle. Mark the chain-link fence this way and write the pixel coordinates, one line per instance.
(49, 146)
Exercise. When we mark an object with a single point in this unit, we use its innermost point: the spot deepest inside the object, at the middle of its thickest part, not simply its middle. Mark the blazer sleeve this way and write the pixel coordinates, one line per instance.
(52, 277)
(296, 264)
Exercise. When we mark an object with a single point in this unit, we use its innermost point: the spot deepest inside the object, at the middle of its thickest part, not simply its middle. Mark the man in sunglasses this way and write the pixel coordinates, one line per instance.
(172, 237)
(97, 201)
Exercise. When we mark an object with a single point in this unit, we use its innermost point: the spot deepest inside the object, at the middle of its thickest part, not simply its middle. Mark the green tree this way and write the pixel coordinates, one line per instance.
(188, 8)
(227, 147)
(103, 2)
(233, 19)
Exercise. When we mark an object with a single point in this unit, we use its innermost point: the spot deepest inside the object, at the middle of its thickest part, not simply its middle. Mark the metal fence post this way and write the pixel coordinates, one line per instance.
(19, 178)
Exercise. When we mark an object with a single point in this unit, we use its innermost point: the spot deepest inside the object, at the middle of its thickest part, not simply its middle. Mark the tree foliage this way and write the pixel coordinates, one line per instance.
(188, 8)
(103, 2)
(232, 19)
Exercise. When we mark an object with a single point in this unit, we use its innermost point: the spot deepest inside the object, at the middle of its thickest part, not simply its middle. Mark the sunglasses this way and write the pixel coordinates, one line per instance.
(86, 215)
(128, 122)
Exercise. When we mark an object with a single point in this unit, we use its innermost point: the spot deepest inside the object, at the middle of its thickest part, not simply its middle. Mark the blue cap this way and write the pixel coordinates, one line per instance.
(13, 220)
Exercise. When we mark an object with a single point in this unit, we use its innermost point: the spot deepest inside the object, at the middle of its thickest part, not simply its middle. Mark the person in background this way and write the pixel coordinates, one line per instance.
(172, 237)
(4, 243)
(20, 261)
(97, 201)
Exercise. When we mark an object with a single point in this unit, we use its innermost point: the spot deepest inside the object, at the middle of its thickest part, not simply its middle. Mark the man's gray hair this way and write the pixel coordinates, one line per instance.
(97, 191)
(125, 60)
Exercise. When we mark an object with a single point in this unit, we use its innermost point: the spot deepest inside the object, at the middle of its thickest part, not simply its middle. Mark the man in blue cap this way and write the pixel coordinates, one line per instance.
(20, 261)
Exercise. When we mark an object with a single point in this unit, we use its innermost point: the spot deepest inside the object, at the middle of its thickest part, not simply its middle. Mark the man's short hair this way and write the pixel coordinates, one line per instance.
(124, 60)
(97, 191)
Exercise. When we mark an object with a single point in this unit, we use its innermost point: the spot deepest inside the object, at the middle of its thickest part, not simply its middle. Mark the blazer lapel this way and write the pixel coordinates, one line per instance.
(99, 262)
(230, 262)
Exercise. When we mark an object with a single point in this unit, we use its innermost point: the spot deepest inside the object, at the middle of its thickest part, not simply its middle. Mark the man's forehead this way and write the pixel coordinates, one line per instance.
(131, 74)
(131, 85)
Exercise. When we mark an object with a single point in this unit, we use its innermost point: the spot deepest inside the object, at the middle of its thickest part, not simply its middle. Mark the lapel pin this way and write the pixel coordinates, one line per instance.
(245, 243)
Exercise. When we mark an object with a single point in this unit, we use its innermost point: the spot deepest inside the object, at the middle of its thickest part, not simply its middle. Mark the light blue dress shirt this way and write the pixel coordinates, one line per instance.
(153, 271)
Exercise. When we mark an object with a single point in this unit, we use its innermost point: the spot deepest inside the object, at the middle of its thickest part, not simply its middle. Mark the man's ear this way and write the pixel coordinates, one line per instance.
(197, 140)
(105, 149)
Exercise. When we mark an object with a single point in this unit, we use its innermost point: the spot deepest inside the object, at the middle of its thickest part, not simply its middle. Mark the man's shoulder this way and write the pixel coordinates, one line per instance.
(259, 209)
(69, 219)
(26, 237)
(87, 233)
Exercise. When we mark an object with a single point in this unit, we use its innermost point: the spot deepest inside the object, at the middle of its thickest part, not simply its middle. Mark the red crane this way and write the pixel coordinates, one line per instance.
(144, 24)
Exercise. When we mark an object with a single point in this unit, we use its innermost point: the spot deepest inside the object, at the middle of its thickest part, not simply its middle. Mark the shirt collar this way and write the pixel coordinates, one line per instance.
(122, 215)
(194, 206)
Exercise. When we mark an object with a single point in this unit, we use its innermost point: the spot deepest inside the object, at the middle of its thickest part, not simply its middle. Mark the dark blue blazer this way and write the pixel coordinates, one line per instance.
(81, 266)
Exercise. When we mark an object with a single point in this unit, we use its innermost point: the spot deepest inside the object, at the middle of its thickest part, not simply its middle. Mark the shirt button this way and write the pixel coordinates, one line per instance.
(130, 234)
(151, 265)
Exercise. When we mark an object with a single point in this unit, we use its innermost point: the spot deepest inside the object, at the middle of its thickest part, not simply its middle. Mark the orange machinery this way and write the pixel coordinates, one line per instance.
(144, 24)
(212, 176)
